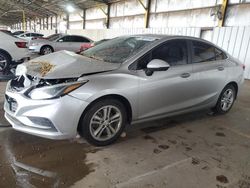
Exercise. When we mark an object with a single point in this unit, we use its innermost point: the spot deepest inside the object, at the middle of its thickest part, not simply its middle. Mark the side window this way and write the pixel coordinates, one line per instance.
(143, 61)
(173, 52)
(203, 52)
(79, 39)
(64, 39)
(219, 54)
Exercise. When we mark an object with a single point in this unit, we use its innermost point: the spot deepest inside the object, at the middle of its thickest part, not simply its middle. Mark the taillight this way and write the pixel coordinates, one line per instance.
(21, 44)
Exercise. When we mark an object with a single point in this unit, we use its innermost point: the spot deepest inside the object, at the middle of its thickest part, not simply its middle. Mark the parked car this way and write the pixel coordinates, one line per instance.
(6, 31)
(90, 45)
(123, 81)
(29, 36)
(15, 33)
(63, 42)
(12, 51)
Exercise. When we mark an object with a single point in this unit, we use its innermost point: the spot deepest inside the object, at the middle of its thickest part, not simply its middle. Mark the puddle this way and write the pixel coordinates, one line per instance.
(167, 125)
(220, 134)
(148, 137)
(163, 146)
(157, 151)
(29, 161)
(195, 161)
(222, 179)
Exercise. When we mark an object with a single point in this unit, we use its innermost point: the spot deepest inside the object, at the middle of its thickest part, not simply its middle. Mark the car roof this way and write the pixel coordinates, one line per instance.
(165, 37)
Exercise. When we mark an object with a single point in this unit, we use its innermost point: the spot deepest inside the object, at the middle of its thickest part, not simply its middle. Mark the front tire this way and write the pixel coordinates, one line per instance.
(46, 50)
(226, 100)
(103, 122)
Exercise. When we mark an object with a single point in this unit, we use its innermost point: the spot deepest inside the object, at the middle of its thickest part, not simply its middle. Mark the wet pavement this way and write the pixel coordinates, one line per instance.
(193, 150)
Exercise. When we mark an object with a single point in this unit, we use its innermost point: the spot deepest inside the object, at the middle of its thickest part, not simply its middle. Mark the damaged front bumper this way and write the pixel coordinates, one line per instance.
(53, 118)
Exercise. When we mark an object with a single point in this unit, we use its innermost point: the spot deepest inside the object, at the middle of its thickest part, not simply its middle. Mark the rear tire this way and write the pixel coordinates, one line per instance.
(5, 61)
(46, 50)
(226, 100)
(103, 122)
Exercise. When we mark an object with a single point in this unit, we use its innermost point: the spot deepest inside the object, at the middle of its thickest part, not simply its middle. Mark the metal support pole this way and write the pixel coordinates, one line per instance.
(147, 12)
(67, 18)
(51, 22)
(108, 16)
(40, 21)
(223, 12)
(56, 24)
(84, 19)
(47, 23)
(30, 25)
(43, 24)
(24, 21)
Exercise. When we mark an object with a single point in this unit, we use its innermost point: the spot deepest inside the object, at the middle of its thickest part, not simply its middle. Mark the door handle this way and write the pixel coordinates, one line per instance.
(185, 75)
(220, 68)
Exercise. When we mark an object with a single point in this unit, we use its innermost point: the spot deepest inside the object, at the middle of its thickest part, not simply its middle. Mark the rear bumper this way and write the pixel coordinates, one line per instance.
(34, 49)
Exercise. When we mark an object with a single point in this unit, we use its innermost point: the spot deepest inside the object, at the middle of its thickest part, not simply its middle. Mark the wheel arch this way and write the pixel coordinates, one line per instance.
(118, 97)
(235, 85)
(4, 51)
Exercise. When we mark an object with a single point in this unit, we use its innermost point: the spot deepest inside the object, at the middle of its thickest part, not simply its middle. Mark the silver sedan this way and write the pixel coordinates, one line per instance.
(57, 42)
(123, 81)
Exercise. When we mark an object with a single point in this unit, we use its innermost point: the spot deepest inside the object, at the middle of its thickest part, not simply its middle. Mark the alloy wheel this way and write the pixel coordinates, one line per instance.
(47, 50)
(227, 99)
(105, 123)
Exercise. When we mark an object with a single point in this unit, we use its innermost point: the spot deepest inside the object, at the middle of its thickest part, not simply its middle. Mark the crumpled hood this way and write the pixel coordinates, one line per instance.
(63, 64)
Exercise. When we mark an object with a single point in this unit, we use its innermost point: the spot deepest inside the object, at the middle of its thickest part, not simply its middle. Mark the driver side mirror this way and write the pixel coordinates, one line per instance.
(156, 65)
(60, 40)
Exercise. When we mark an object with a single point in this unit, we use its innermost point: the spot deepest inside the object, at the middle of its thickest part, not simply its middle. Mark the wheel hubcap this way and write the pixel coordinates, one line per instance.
(227, 99)
(3, 63)
(47, 51)
(105, 123)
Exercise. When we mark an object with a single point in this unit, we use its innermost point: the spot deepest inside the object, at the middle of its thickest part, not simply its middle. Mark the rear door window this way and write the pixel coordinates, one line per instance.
(79, 39)
(203, 52)
(64, 39)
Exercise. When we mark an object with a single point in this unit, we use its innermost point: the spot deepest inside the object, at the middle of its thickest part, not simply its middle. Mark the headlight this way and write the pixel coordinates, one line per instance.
(49, 92)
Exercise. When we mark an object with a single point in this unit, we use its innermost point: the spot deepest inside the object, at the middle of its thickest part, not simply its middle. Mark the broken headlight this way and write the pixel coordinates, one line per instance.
(54, 91)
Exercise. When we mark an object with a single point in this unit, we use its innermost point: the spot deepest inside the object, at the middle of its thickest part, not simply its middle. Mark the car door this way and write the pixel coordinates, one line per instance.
(64, 43)
(77, 41)
(166, 91)
(208, 71)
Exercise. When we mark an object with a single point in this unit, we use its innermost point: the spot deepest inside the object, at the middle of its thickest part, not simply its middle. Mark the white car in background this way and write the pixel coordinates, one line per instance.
(12, 51)
(57, 43)
(29, 36)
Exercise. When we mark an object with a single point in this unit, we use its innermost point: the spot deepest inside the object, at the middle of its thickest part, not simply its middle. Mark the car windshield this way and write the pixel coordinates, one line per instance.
(119, 49)
(53, 37)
